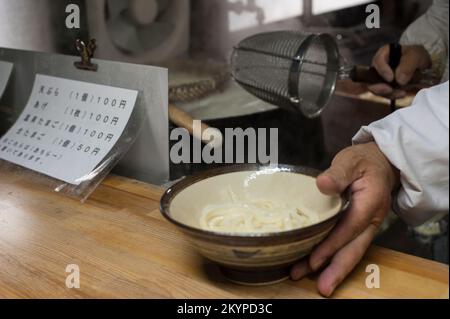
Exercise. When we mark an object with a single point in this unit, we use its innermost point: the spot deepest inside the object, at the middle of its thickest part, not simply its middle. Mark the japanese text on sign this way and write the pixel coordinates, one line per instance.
(67, 127)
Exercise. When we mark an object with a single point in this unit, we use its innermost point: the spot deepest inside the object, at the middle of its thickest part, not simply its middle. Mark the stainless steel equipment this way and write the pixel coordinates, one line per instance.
(288, 69)
(299, 71)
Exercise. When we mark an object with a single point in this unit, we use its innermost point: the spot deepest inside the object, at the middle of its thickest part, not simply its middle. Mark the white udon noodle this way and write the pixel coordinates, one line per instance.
(255, 216)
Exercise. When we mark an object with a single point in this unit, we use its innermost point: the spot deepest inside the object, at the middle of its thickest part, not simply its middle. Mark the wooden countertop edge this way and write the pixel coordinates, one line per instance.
(134, 187)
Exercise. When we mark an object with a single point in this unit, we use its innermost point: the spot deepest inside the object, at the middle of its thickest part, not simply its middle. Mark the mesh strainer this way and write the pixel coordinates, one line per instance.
(289, 69)
(299, 71)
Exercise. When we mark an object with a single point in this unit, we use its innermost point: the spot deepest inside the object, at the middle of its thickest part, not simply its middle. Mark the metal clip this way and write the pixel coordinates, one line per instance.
(86, 53)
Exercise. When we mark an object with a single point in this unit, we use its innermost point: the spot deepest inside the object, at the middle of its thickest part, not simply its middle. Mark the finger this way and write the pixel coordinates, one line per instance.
(387, 91)
(398, 94)
(381, 64)
(343, 171)
(365, 203)
(301, 269)
(409, 63)
(381, 89)
(345, 261)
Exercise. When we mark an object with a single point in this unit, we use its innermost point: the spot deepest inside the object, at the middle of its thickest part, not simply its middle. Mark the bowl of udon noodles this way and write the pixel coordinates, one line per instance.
(254, 222)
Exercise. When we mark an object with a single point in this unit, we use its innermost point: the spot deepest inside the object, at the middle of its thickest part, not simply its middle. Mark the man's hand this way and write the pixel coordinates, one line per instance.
(414, 57)
(371, 179)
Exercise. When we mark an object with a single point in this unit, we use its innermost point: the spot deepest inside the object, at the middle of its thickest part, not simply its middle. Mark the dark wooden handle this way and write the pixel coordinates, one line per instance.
(369, 75)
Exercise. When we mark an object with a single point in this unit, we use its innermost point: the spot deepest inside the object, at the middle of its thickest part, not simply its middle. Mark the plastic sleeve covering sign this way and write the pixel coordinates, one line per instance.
(67, 127)
(5, 73)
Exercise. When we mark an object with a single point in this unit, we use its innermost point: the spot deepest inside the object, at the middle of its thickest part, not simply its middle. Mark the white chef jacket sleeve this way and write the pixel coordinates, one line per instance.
(431, 31)
(416, 141)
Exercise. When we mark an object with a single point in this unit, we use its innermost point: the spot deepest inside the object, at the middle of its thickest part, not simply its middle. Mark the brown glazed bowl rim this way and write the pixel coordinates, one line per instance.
(186, 182)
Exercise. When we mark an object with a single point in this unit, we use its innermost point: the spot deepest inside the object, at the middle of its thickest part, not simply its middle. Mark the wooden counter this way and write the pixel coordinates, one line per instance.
(126, 249)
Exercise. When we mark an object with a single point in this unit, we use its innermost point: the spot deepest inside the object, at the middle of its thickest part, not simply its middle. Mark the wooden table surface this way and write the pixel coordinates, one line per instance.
(126, 249)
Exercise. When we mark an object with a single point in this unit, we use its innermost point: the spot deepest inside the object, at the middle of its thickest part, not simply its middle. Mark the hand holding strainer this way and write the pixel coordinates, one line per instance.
(294, 70)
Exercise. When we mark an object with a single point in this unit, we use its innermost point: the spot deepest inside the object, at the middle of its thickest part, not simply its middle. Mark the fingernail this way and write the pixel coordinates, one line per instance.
(388, 76)
(336, 179)
(330, 291)
(316, 264)
(296, 274)
(384, 90)
(402, 78)
(299, 271)
(400, 95)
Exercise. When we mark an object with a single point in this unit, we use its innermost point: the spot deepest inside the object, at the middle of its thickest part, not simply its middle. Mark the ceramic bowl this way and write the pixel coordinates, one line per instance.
(252, 259)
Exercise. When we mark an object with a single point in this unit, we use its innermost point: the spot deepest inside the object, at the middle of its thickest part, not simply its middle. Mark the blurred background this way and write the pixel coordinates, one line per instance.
(194, 39)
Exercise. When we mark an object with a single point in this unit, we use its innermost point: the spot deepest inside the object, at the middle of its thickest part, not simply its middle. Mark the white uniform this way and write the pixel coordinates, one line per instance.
(431, 31)
(416, 139)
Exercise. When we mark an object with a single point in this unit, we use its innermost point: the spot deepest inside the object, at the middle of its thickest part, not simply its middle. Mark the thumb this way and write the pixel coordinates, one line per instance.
(342, 173)
(381, 63)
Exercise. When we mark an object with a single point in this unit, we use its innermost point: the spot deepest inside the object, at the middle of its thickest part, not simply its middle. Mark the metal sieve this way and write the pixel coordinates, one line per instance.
(298, 71)
(289, 69)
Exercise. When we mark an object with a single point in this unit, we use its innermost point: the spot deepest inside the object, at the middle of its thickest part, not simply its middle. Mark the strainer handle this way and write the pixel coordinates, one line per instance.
(369, 75)
(395, 55)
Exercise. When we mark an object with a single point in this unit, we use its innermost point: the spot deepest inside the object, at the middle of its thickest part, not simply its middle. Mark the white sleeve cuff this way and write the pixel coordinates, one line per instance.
(415, 140)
